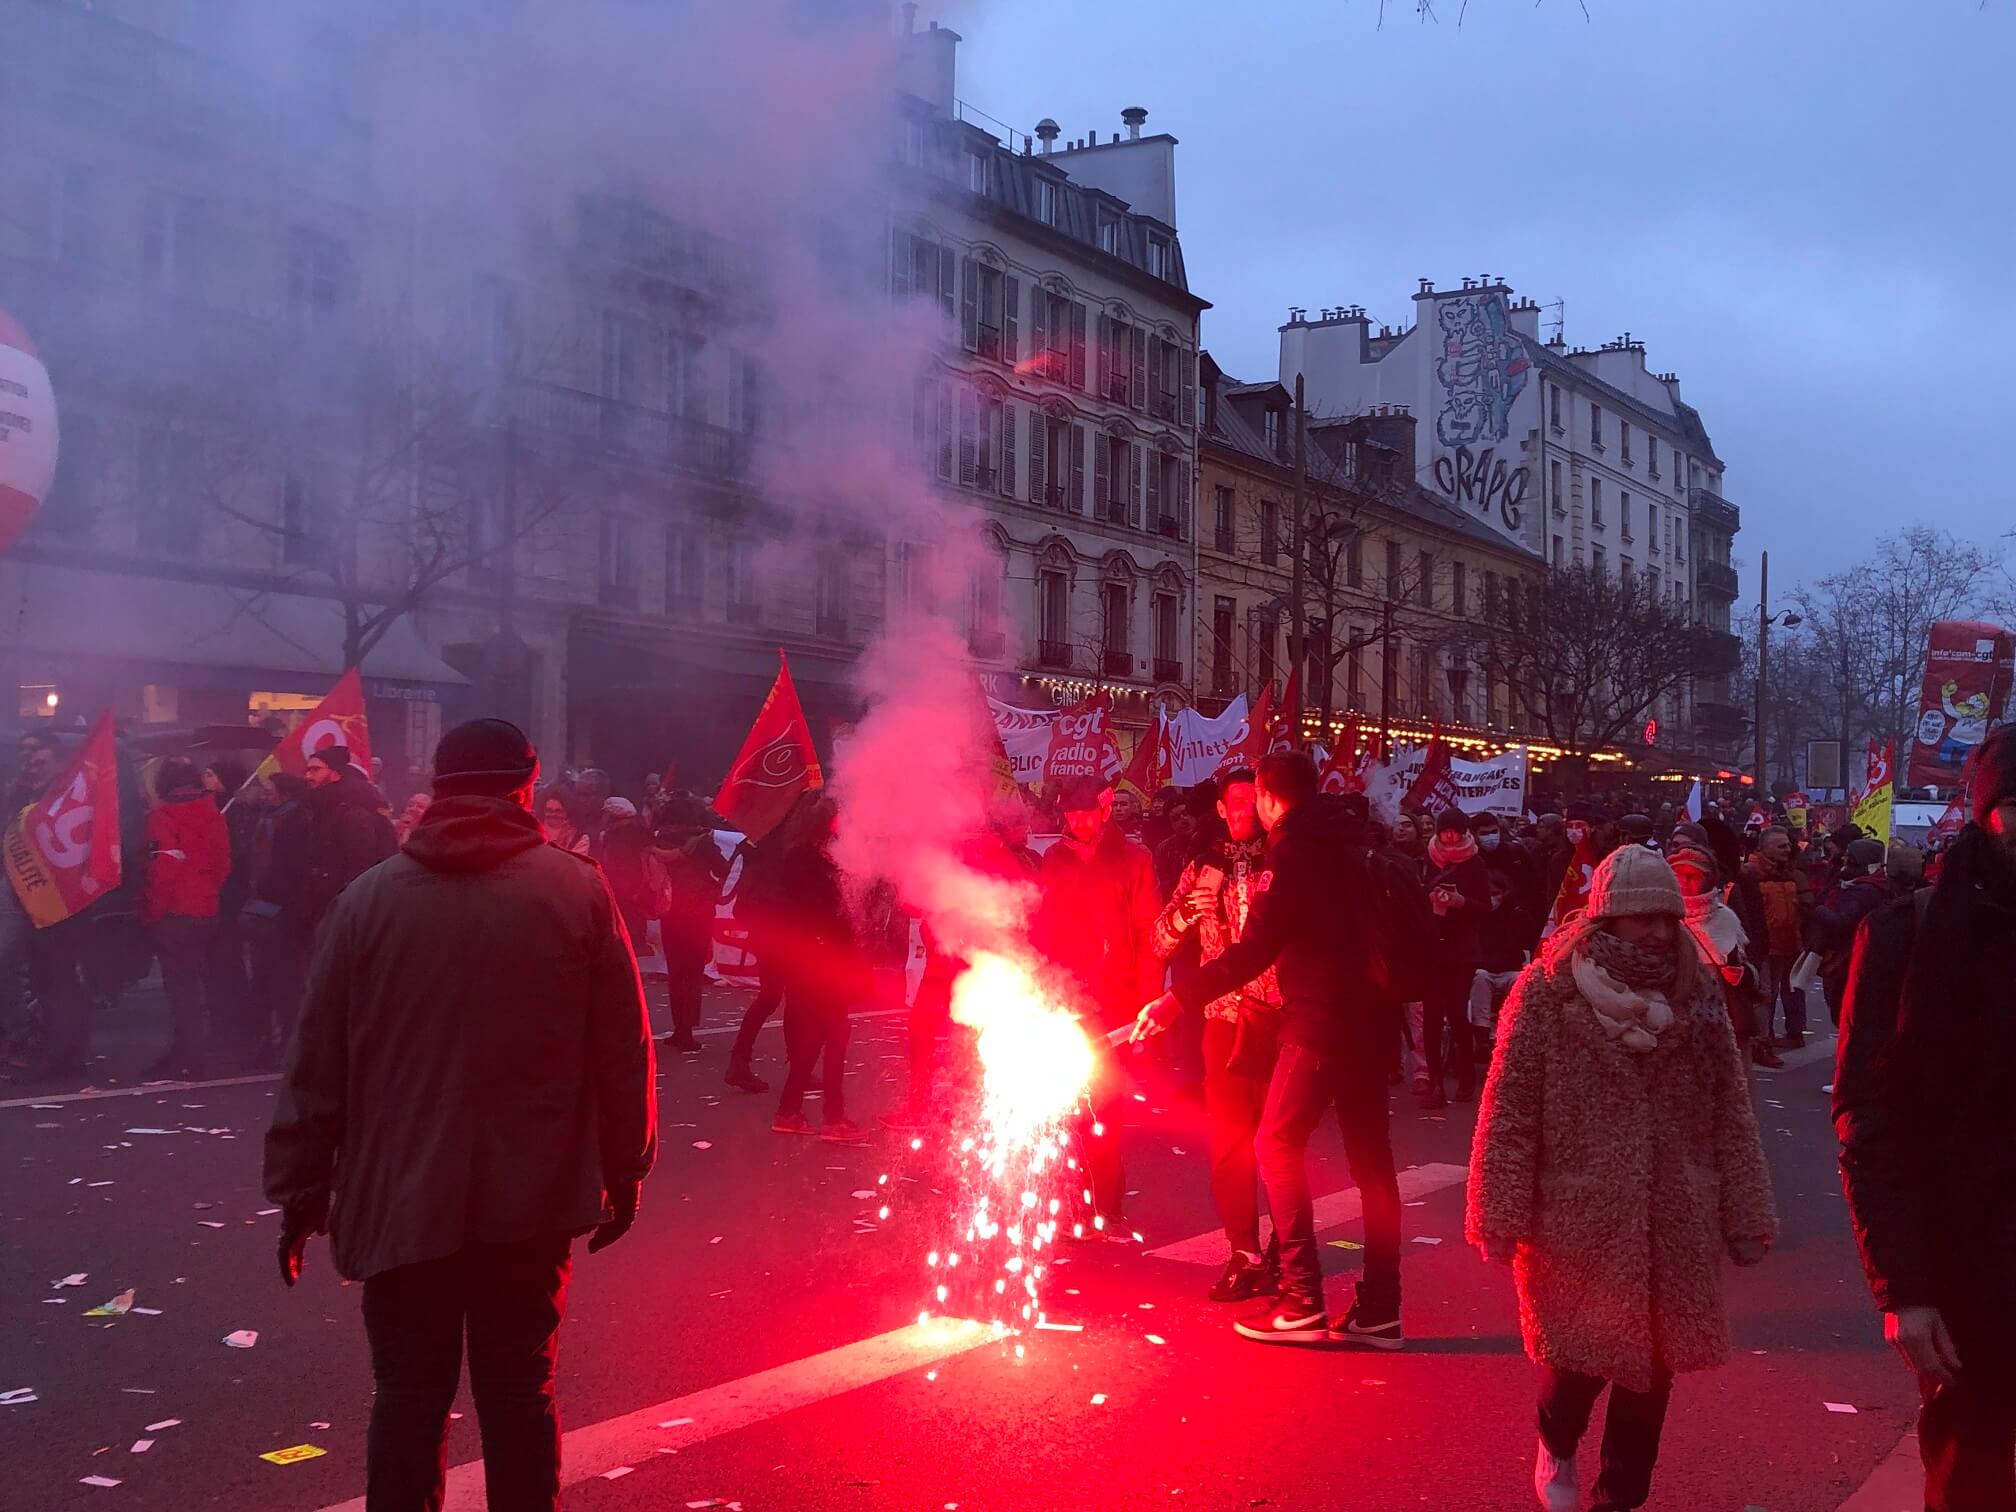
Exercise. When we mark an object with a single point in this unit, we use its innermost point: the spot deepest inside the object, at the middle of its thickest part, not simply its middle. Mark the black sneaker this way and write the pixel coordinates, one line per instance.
(685, 1044)
(744, 1079)
(1244, 1278)
(1367, 1328)
(1291, 1321)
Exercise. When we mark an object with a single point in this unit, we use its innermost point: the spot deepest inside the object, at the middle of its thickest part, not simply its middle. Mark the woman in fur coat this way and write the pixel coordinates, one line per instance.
(1616, 1161)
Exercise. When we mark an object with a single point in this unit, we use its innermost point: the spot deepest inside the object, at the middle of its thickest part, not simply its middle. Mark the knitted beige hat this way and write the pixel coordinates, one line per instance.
(1634, 880)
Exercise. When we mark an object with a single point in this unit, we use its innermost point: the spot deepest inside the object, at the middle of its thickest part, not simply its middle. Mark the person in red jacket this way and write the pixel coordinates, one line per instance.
(1094, 924)
(188, 861)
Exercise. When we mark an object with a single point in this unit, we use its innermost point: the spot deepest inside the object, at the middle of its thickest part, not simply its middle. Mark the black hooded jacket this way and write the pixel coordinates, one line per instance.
(474, 1062)
(1314, 918)
(345, 831)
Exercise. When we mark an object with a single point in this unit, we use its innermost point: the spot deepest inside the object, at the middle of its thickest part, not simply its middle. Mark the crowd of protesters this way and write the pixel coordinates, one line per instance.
(1600, 974)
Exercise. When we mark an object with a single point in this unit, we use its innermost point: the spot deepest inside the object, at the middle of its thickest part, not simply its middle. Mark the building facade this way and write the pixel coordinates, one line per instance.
(1577, 456)
(1397, 582)
(317, 408)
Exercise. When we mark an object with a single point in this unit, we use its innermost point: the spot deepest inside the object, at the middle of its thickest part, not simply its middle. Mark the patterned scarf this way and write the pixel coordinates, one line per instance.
(1445, 856)
(1625, 986)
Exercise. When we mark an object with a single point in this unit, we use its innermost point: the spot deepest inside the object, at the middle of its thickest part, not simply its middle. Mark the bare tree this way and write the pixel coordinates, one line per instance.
(1585, 655)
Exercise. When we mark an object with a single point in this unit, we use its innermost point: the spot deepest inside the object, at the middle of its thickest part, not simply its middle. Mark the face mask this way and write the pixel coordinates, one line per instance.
(1576, 833)
(1489, 840)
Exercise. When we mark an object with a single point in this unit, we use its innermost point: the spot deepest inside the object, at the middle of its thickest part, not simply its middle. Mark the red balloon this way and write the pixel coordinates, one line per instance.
(27, 431)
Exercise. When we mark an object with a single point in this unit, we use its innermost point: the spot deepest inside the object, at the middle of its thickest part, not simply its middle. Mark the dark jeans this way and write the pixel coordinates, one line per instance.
(226, 984)
(1967, 1435)
(1232, 1107)
(279, 962)
(1450, 1048)
(1631, 1430)
(509, 1299)
(685, 978)
(1305, 1085)
(1105, 1100)
(816, 1027)
(930, 1017)
(1781, 989)
(183, 946)
(769, 993)
(56, 967)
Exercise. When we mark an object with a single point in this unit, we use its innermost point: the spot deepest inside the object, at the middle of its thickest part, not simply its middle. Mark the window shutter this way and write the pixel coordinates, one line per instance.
(899, 262)
(969, 447)
(1039, 334)
(1039, 477)
(943, 436)
(969, 308)
(1182, 509)
(1156, 357)
(1078, 346)
(1155, 505)
(1007, 474)
(1105, 354)
(948, 279)
(1134, 484)
(1011, 317)
(921, 413)
(1186, 366)
(1102, 482)
(1078, 451)
(1138, 395)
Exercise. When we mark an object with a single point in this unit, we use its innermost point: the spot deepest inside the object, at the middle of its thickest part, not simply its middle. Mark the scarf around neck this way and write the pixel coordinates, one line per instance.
(1625, 986)
(1449, 855)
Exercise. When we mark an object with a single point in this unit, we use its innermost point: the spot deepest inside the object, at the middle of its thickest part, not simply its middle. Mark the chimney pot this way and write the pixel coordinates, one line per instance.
(909, 17)
(1135, 117)
(1046, 133)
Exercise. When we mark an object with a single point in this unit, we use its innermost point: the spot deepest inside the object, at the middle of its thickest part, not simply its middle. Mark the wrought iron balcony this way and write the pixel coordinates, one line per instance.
(1051, 653)
(1713, 510)
(1118, 663)
(1717, 578)
(1714, 720)
(1717, 654)
(1168, 670)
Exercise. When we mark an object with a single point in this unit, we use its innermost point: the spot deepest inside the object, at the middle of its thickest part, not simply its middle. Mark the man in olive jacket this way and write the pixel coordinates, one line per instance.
(470, 1088)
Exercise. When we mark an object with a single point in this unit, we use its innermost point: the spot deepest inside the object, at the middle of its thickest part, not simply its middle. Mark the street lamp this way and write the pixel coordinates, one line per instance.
(1765, 620)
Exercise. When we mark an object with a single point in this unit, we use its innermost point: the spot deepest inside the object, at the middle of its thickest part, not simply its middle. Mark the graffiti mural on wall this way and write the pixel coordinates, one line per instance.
(1482, 370)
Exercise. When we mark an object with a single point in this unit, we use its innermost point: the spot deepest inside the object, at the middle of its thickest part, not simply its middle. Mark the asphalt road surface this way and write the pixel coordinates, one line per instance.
(754, 1340)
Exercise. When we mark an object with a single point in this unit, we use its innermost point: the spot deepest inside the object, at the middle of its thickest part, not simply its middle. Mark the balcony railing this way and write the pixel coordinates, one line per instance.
(1713, 509)
(1168, 525)
(1168, 669)
(1717, 578)
(1714, 720)
(1051, 653)
(1117, 663)
(1717, 654)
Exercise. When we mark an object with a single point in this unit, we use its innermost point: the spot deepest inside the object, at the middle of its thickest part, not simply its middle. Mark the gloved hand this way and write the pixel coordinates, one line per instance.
(623, 1206)
(300, 1221)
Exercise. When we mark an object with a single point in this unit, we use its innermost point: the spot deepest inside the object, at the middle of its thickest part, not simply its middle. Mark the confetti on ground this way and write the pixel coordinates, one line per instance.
(97, 1183)
(141, 1446)
(1426, 1239)
(863, 1195)
(20, 1396)
(675, 1422)
(268, 1212)
(1828, 1088)
(1369, 1381)
(208, 1223)
(243, 1338)
(1841, 1407)
(77, 1280)
(717, 1239)
(1417, 1204)
(1049, 1327)
(97, 1480)
(1346, 1244)
(1155, 1339)
(144, 1312)
(618, 1473)
(1099, 1399)
(118, 1307)
(150, 1131)
(702, 1144)
(294, 1455)
(166, 1423)
(323, 1427)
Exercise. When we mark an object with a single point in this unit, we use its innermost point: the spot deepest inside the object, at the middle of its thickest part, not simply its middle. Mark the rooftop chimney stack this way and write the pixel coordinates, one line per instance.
(909, 17)
(1135, 117)
(1046, 133)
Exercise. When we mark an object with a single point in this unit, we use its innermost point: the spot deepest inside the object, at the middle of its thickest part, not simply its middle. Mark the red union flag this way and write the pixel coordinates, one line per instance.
(337, 720)
(1082, 743)
(62, 851)
(777, 763)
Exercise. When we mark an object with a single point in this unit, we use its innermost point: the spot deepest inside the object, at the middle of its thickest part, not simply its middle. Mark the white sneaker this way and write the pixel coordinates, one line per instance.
(1554, 1482)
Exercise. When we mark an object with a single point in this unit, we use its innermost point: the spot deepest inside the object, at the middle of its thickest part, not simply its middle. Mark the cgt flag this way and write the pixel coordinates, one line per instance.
(62, 851)
(337, 720)
(1875, 809)
(777, 763)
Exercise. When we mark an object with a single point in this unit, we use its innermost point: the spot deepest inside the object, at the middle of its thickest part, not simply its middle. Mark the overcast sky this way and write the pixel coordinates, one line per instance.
(1802, 207)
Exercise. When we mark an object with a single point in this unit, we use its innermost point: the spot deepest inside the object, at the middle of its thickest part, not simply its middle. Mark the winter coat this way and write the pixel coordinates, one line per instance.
(1458, 933)
(1315, 918)
(813, 938)
(1505, 936)
(1221, 926)
(1786, 898)
(348, 831)
(1922, 1095)
(1834, 924)
(188, 859)
(1095, 923)
(474, 1062)
(1622, 1175)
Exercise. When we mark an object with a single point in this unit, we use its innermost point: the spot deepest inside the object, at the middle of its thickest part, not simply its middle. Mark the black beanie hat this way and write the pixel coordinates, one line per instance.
(335, 757)
(484, 756)
(1993, 780)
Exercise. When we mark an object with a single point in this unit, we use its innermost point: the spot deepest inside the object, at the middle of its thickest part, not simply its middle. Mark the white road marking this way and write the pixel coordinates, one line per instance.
(1332, 1210)
(1896, 1485)
(776, 1020)
(636, 1436)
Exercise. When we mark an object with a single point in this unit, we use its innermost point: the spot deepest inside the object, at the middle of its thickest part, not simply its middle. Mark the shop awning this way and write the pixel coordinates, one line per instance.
(58, 611)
